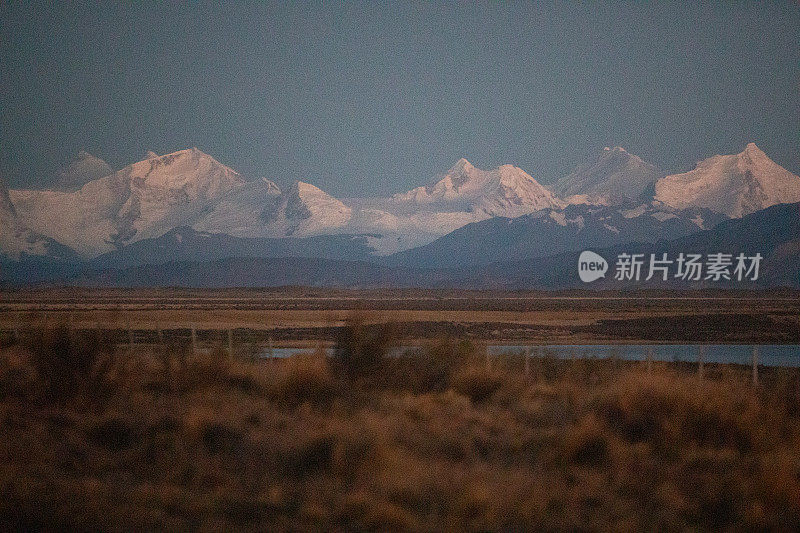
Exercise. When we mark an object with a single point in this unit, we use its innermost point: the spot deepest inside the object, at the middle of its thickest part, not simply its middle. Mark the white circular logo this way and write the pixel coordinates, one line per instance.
(591, 266)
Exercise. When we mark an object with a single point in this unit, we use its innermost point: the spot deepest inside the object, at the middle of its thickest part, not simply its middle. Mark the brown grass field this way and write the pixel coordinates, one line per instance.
(164, 440)
(101, 435)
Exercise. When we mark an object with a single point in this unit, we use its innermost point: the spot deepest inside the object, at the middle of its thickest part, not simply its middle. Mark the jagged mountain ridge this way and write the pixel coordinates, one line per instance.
(189, 188)
(145, 199)
(772, 232)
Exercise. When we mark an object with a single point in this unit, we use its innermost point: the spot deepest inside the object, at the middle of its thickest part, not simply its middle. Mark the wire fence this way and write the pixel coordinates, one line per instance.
(250, 343)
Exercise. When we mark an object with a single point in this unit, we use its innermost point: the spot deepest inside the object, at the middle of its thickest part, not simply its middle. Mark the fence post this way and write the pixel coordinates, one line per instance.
(17, 322)
(130, 336)
(194, 340)
(755, 365)
(527, 361)
(649, 359)
(271, 354)
(160, 335)
(700, 361)
(70, 328)
(230, 343)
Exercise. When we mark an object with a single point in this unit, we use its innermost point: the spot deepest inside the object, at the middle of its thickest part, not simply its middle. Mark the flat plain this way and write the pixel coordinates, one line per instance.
(302, 314)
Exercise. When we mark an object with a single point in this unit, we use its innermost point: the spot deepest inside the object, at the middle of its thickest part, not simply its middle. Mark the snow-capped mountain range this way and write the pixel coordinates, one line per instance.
(95, 215)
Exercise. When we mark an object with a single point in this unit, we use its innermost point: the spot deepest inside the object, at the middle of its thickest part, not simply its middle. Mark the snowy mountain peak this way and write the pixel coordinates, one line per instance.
(611, 177)
(504, 191)
(735, 185)
(140, 201)
(462, 165)
(182, 169)
(81, 170)
(752, 148)
(309, 197)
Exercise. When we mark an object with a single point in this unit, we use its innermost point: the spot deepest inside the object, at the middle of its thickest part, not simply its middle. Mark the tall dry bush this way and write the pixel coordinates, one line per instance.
(68, 363)
(361, 349)
(431, 368)
(303, 378)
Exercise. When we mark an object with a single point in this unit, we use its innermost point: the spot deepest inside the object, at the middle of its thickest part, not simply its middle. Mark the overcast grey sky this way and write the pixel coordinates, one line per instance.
(375, 98)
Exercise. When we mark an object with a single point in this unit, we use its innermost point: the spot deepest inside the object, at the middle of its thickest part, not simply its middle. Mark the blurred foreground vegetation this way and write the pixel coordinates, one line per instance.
(95, 438)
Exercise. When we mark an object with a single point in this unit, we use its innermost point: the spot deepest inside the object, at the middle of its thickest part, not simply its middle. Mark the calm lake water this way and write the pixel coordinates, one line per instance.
(768, 354)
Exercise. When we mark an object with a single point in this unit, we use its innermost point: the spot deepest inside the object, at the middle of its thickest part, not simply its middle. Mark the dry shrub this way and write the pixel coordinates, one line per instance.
(361, 349)
(477, 382)
(303, 378)
(204, 370)
(784, 391)
(294, 445)
(430, 369)
(668, 412)
(587, 443)
(18, 378)
(68, 364)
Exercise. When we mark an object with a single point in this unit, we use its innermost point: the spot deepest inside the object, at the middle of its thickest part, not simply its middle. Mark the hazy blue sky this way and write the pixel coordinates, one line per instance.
(376, 98)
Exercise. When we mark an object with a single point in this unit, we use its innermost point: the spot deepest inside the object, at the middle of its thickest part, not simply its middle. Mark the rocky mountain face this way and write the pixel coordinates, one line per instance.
(17, 240)
(188, 244)
(772, 232)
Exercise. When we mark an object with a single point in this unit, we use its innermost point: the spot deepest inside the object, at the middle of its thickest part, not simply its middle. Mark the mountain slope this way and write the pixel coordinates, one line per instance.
(613, 177)
(306, 210)
(188, 188)
(772, 232)
(186, 244)
(735, 185)
(17, 240)
(550, 232)
(242, 211)
(253, 272)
